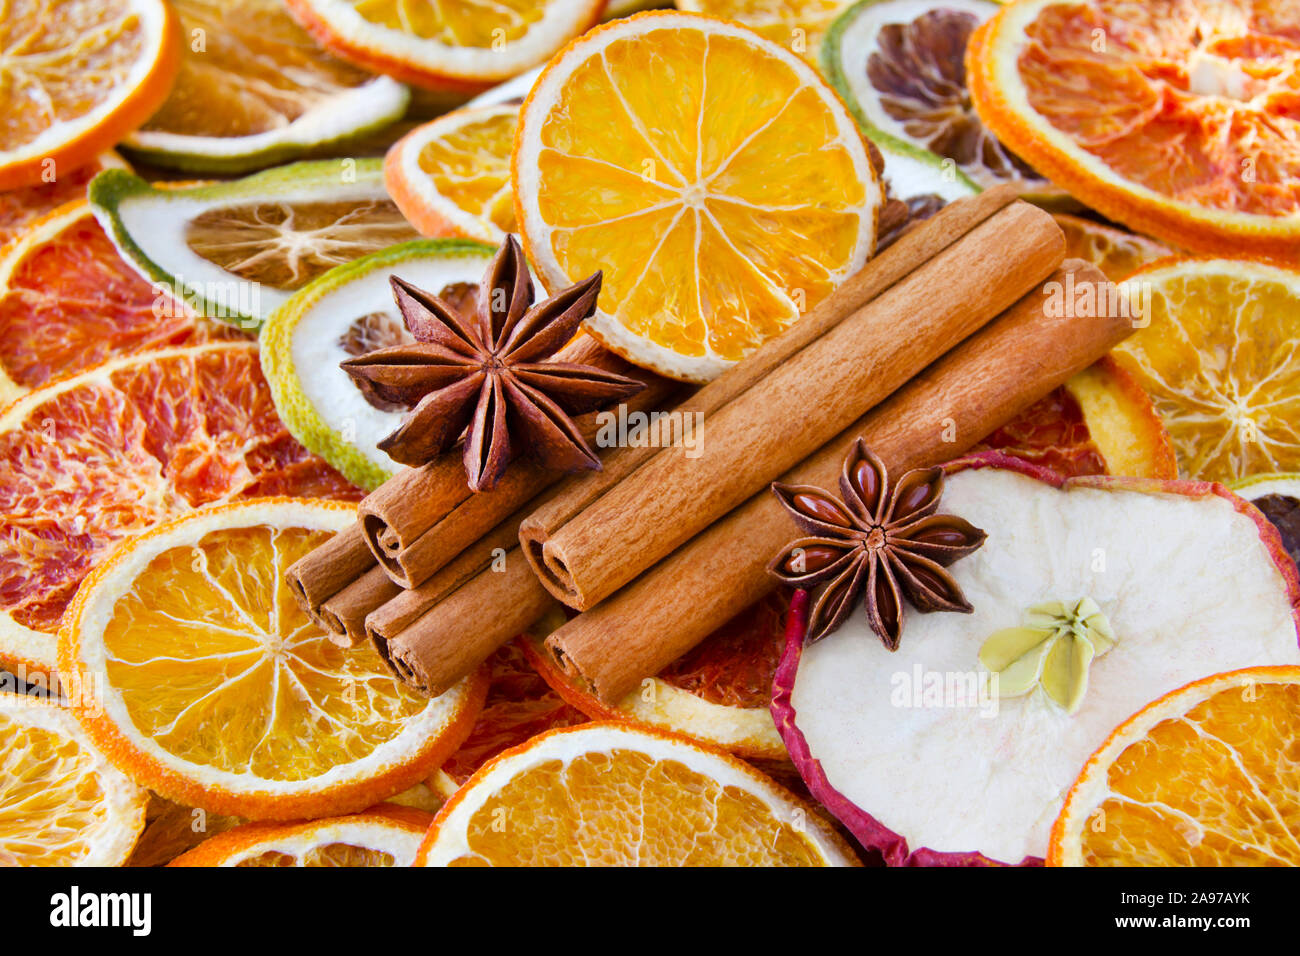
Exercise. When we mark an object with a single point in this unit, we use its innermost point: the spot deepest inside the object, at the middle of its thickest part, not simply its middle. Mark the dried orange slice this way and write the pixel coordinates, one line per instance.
(385, 835)
(68, 301)
(19, 208)
(1204, 776)
(254, 90)
(76, 77)
(609, 794)
(797, 25)
(1115, 252)
(90, 459)
(446, 44)
(451, 177)
(1221, 360)
(61, 802)
(1174, 117)
(719, 693)
(1100, 422)
(719, 207)
(216, 690)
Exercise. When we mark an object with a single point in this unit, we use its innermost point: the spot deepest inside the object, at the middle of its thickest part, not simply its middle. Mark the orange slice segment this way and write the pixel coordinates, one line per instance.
(609, 794)
(1175, 118)
(451, 177)
(68, 301)
(1115, 252)
(1220, 357)
(76, 77)
(446, 44)
(1205, 776)
(719, 208)
(386, 835)
(216, 690)
(61, 802)
(91, 459)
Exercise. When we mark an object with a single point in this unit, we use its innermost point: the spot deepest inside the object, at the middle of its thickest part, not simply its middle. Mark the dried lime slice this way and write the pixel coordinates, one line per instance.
(344, 313)
(237, 250)
(899, 64)
(254, 90)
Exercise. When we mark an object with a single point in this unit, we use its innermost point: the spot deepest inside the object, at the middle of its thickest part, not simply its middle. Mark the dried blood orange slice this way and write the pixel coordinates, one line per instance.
(385, 835)
(21, 207)
(90, 459)
(717, 693)
(1204, 776)
(68, 301)
(520, 705)
(1175, 117)
(900, 66)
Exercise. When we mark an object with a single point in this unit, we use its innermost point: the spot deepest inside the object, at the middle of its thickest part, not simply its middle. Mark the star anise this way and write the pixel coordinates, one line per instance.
(886, 542)
(487, 376)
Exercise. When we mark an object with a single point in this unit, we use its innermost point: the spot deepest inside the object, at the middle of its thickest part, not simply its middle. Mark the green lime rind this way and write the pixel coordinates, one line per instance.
(832, 64)
(386, 104)
(115, 193)
(290, 393)
(1257, 486)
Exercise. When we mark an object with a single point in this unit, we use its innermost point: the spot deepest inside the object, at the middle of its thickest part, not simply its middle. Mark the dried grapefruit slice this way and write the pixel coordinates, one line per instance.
(451, 177)
(68, 301)
(19, 208)
(1191, 579)
(1221, 360)
(1204, 776)
(76, 77)
(718, 693)
(385, 835)
(1115, 252)
(900, 66)
(1174, 117)
(255, 90)
(447, 44)
(61, 802)
(345, 312)
(609, 794)
(216, 690)
(719, 207)
(90, 459)
(237, 250)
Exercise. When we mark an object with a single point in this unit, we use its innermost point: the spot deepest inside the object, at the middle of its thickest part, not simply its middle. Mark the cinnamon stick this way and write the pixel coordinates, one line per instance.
(316, 577)
(344, 614)
(423, 517)
(461, 630)
(796, 408)
(918, 246)
(964, 396)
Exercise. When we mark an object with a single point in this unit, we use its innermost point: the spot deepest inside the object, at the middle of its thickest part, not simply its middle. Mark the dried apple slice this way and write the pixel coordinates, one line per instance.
(912, 750)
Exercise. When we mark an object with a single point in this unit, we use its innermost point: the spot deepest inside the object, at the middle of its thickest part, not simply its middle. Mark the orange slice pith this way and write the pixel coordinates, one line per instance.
(386, 835)
(1218, 356)
(92, 458)
(68, 301)
(1204, 776)
(718, 210)
(208, 684)
(76, 77)
(451, 177)
(606, 794)
(717, 693)
(61, 802)
(1177, 121)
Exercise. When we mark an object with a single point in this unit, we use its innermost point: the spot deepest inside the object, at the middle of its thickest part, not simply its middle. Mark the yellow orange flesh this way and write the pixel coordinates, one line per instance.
(797, 25)
(718, 211)
(1115, 252)
(249, 69)
(612, 795)
(1214, 782)
(1221, 361)
(472, 23)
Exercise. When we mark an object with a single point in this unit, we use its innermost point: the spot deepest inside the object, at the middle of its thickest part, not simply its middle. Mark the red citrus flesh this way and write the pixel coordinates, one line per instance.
(1053, 433)
(106, 454)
